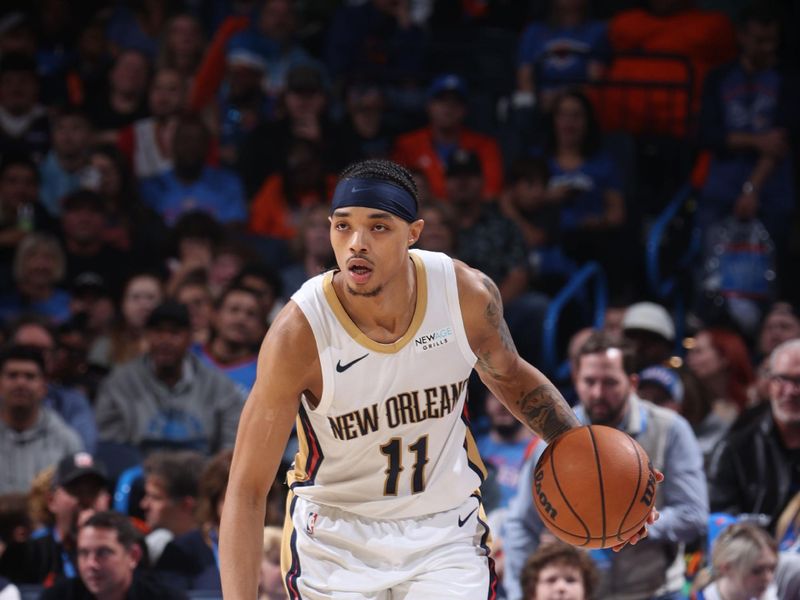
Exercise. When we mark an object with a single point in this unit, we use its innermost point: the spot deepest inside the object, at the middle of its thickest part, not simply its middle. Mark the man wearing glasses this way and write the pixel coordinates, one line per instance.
(757, 469)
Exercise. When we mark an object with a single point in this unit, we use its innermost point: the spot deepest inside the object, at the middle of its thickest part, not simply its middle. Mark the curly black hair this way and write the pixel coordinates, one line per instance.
(384, 170)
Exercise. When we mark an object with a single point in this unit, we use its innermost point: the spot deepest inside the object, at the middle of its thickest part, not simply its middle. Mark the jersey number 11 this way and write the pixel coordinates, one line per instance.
(393, 450)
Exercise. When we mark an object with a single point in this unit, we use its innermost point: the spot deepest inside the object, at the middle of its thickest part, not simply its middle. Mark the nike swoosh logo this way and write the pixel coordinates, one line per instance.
(340, 368)
(355, 190)
(465, 519)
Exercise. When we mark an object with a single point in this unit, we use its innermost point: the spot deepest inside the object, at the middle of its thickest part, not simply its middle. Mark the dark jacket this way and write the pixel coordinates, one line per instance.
(144, 587)
(38, 560)
(751, 472)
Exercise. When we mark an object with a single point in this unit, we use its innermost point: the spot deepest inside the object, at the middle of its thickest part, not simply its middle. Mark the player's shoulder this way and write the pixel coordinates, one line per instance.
(477, 293)
(291, 332)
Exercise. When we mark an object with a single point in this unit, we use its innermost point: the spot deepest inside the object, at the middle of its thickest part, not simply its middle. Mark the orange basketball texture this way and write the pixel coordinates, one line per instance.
(594, 486)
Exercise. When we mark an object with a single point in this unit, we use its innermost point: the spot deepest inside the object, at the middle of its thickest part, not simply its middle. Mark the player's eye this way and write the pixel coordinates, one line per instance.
(380, 227)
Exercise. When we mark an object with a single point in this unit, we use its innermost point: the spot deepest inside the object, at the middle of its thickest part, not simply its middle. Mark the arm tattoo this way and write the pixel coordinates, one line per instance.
(546, 412)
(494, 314)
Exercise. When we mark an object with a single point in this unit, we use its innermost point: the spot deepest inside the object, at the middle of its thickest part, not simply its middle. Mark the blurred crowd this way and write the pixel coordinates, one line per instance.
(165, 174)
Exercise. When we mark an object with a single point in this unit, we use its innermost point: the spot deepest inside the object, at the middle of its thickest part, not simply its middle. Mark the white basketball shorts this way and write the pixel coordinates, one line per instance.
(331, 553)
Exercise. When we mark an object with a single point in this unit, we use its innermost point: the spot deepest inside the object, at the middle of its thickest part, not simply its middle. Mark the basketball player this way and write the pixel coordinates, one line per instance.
(372, 360)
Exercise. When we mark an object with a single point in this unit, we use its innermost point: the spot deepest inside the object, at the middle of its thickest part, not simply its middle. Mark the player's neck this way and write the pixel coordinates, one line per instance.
(388, 315)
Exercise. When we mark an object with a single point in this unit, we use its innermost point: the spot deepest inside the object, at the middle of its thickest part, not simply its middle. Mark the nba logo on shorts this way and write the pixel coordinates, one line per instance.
(312, 520)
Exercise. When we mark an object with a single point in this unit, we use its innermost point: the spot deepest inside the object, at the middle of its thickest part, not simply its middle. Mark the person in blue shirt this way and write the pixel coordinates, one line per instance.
(565, 50)
(237, 322)
(191, 185)
(748, 114)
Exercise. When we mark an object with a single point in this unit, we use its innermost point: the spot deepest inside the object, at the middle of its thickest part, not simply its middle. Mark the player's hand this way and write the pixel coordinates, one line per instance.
(651, 518)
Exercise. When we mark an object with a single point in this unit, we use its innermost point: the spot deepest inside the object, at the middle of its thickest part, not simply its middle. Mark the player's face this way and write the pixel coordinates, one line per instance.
(603, 386)
(559, 582)
(754, 580)
(371, 247)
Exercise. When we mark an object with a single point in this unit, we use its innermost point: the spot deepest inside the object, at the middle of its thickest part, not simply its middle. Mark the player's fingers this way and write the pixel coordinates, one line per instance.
(653, 516)
(659, 475)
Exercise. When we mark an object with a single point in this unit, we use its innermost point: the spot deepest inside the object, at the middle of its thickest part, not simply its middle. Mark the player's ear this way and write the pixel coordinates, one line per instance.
(414, 231)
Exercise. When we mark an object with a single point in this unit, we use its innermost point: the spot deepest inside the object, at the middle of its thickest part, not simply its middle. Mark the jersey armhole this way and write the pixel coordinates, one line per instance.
(454, 304)
(323, 351)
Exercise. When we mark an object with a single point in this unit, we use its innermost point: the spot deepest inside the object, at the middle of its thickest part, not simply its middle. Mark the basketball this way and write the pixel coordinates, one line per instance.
(594, 486)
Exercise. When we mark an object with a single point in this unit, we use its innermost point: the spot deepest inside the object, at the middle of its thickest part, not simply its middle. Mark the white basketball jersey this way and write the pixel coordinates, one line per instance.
(389, 437)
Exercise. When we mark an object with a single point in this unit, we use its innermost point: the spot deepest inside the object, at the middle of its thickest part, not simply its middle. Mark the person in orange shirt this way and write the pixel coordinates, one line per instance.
(428, 149)
(285, 196)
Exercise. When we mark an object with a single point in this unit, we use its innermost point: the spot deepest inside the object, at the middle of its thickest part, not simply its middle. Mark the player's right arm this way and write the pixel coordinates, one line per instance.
(288, 365)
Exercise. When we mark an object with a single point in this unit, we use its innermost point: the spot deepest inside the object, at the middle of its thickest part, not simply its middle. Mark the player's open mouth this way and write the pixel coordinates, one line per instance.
(359, 273)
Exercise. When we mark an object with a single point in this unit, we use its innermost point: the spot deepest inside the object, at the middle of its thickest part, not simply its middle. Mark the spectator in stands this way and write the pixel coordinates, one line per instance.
(230, 257)
(780, 324)
(720, 360)
(365, 132)
(312, 250)
(132, 226)
(703, 38)
(70, 403)
(743, 563)
(170, 497)
(557, 570)
(61, 496)
(124, 97)
(167, 398)
(441, 228)
(752, 470)
(193, 292)
(242, 103)
(429, 149)
(141, 294)
(83, 221)
(138, 26)
(24, 126)
(147, 143)
(283, 199)
(503, 447)
(266, 282)
(564, 51)
(191, 184)
(494, 244)
(651, 330)
(526, 201)
(586, 186)
(71, 367)
(270, 582)
(606, 384)
(32, 436)
(15, 519)
(182, 45)
(663, 386)
(20, 209)
(303, 107)
(66, 167)
(375, 39)
(237, 321)
(109, 550)
(749, 108)
(189, 561)
(39, 265)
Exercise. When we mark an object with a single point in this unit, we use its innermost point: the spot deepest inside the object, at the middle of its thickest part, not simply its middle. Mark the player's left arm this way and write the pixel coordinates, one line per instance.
(523, 389)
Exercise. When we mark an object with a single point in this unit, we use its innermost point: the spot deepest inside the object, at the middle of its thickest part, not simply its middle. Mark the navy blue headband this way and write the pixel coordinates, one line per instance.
(375, 193)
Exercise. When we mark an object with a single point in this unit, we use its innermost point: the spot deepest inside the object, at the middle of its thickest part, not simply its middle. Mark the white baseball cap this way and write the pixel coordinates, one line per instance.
(649, 316)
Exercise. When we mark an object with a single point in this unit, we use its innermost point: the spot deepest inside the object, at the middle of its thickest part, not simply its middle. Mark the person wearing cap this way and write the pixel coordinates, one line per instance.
(24, 124)
(649, 327)
(167, 398)
(429, 148)
(32, 436)
(192, 184)
(79, 488)
(371, 360)
(84, 219)
(606, 384)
